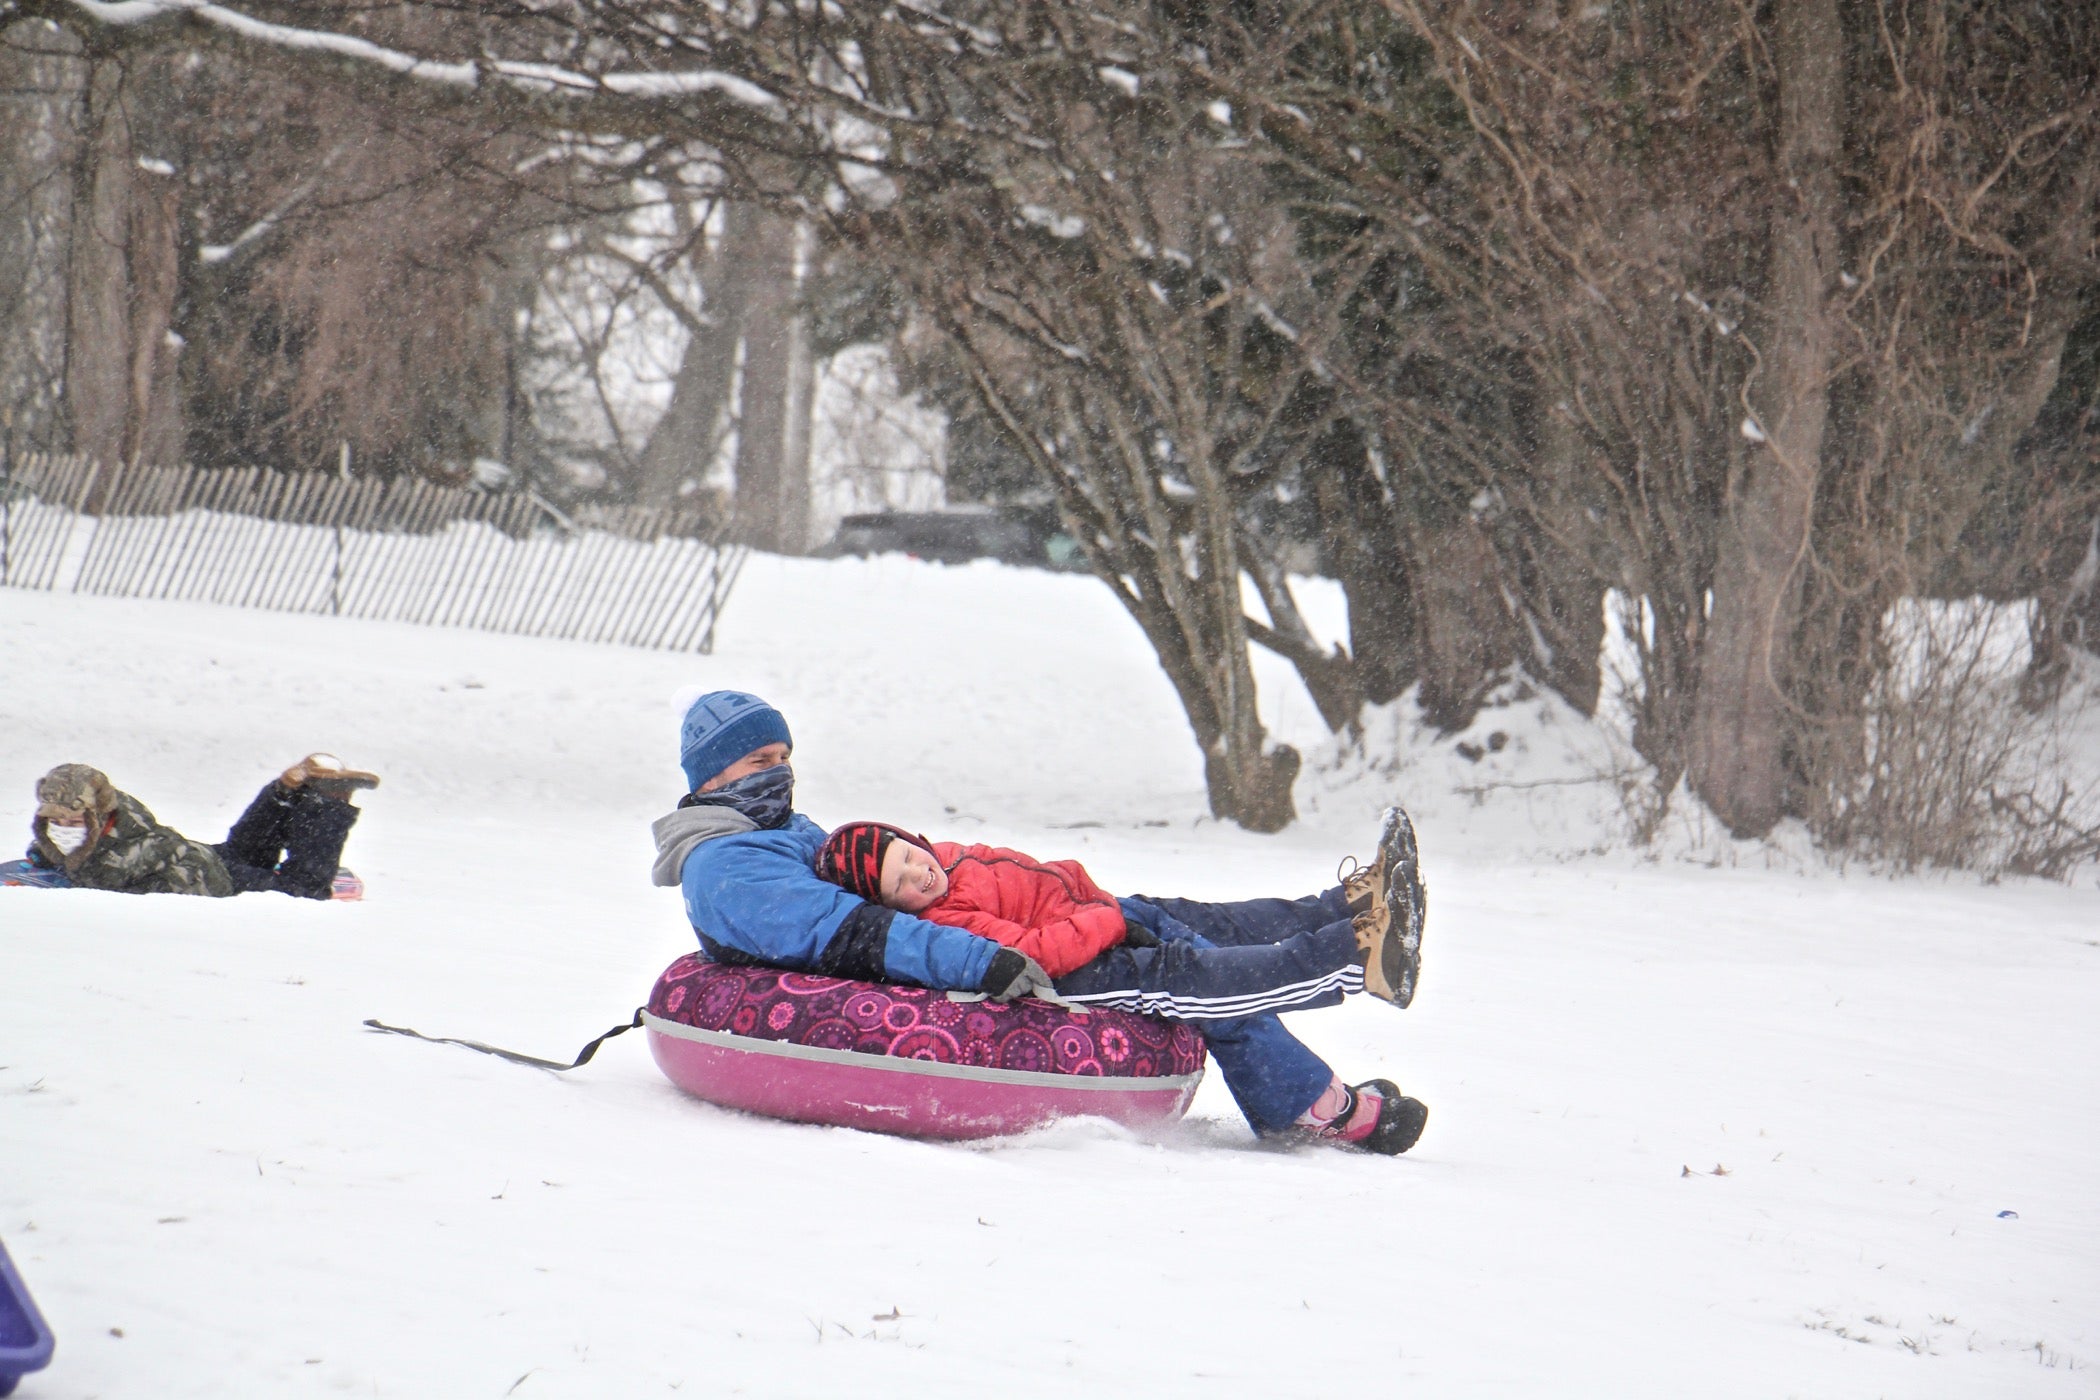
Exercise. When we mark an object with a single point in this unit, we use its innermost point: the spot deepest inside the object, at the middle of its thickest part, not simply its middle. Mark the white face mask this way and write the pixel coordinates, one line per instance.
(68, 839)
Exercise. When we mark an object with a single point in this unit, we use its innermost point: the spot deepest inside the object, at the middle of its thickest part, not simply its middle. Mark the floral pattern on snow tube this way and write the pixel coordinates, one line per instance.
(914, 1023)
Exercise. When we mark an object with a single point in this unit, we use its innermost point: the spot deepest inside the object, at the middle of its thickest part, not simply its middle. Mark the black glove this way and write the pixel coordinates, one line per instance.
(1138, 917)
(1013, 975)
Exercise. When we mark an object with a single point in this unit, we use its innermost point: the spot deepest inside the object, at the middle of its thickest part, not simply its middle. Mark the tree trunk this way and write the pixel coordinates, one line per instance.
(1251, 786)
(2066, 616)
(687, 437)
(153, 428)
(98, 322)
(122, 279)
(1364, 553)
(1563, 621)
(1465, 637)
(1246, 782)
(1561, 597)
(2076, 619)
(1738, 725)
(1329, 674)
(772, 455)
(795, 430)
(1250, 783)
(40, 97)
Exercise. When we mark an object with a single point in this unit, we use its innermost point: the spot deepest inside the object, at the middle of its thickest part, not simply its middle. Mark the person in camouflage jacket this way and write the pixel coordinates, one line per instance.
(289, 839)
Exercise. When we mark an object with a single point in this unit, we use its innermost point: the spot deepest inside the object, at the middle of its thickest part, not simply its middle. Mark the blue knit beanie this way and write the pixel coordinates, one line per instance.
(720, 728)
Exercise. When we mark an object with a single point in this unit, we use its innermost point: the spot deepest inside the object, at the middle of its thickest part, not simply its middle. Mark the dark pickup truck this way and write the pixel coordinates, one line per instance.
(957, 536)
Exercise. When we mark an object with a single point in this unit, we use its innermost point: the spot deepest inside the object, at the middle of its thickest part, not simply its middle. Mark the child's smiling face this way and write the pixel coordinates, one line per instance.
(911, 878)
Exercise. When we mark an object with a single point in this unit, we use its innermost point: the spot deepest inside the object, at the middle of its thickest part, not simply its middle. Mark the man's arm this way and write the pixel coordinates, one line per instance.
(756, 893)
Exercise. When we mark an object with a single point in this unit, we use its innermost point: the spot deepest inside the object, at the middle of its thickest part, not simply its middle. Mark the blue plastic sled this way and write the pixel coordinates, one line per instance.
(21, 872)
(25, 1342)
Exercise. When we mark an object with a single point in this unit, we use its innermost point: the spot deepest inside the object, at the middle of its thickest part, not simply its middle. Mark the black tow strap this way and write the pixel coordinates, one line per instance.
(513, 1056)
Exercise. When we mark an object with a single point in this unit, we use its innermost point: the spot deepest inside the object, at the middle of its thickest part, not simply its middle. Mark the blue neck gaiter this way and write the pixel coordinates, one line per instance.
(767, 797)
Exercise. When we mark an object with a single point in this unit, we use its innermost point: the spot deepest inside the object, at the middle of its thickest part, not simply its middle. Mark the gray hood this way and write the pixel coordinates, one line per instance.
(680, 831)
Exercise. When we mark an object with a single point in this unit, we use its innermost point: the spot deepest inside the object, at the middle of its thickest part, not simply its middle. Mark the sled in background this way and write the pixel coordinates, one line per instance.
(21, 872)
(25, 1340)
(347, 885)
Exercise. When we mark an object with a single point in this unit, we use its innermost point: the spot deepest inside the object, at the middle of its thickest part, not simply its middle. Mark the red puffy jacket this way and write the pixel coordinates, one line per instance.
(1049, 910)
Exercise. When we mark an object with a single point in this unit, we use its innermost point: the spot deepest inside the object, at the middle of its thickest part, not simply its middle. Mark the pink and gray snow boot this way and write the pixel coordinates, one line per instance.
(1371, 1117)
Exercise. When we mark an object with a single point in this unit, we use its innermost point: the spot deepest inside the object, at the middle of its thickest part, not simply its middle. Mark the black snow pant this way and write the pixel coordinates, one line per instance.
(289, 839)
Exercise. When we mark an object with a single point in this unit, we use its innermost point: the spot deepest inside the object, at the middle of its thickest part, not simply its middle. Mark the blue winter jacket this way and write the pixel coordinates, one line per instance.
(754, 897)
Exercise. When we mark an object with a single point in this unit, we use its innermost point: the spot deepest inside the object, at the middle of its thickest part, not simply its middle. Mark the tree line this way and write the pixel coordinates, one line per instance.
(1754, 320)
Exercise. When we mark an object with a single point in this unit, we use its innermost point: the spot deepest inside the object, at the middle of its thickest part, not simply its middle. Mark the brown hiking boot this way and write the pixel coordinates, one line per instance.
(1389, 930)
(327, 775)
(1364, 885)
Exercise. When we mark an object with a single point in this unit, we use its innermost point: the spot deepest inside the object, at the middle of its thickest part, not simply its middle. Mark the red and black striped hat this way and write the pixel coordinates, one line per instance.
(851, 857)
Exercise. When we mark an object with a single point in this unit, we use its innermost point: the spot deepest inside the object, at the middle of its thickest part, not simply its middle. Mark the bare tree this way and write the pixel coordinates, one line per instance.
(1753, 311)
(1103, 275)
(285, 244)
(1746, 309)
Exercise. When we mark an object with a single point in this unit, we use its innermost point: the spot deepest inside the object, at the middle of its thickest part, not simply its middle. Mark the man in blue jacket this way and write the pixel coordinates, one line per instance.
(745, 862)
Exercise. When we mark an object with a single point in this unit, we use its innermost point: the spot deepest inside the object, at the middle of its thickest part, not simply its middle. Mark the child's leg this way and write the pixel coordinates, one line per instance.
(257, 837)
(1273, 1077)
(247, 879)
(1251, 921)
(1188, 978)
(313, 844)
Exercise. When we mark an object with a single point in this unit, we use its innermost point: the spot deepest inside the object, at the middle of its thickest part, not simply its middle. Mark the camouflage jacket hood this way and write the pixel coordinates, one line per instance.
(134, 854)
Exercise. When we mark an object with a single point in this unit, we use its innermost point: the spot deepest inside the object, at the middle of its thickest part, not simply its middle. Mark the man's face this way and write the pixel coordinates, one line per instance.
(911, 878)
(756, 761)
(65, 819)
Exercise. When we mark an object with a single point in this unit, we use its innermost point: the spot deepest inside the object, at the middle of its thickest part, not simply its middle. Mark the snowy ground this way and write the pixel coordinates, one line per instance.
(218, 1184)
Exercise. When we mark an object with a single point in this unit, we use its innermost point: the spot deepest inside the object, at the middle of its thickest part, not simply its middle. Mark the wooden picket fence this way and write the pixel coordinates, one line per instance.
(400, 550)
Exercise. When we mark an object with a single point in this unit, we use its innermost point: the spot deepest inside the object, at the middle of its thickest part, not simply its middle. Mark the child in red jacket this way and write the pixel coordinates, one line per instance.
(1225, 968)
(1050, 910)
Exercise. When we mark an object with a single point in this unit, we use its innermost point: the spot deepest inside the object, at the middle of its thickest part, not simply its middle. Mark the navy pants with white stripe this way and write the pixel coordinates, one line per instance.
(1228, 969)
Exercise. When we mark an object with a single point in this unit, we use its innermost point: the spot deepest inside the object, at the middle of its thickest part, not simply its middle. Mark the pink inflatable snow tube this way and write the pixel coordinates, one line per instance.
(907, 1060)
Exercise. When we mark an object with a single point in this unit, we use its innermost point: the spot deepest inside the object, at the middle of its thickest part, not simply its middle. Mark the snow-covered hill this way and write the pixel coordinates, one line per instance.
(1695, 1131)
